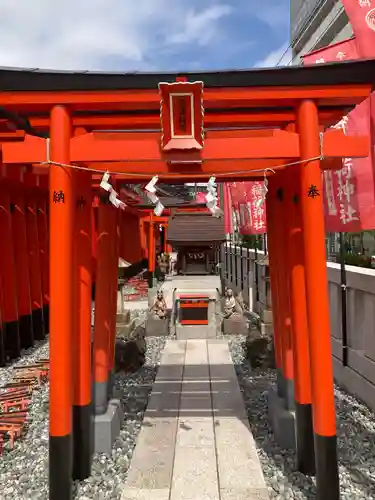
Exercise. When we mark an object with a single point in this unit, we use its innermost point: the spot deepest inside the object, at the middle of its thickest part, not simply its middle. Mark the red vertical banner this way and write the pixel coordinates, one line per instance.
(248, 202)
(237, 200)
(361, 14)
(257, 206)
(349, 194)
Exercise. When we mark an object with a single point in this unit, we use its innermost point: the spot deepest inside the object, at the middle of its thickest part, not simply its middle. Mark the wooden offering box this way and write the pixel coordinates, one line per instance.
(193, 309)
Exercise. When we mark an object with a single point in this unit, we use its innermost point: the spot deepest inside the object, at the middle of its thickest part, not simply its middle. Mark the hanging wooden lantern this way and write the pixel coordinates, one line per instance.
(181, 115)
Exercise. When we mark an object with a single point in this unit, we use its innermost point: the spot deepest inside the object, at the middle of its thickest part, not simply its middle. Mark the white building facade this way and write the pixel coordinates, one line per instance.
(316, 24)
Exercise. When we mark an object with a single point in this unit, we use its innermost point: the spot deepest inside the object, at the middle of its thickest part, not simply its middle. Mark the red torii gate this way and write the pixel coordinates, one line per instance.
(299, 103)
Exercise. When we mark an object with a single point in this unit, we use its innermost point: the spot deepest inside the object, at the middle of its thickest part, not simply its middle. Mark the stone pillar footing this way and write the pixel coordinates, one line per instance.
(108, 425)
(157, 327)
(282, 421)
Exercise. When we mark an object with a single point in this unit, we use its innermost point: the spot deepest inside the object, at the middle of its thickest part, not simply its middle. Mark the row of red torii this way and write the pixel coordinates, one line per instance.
(240, 126)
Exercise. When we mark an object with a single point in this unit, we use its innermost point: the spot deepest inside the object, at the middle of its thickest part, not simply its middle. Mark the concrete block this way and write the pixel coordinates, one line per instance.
(282, 421)
(165, 402)
(195, 432)
(145, 494)
(195, 474)
(152, 463)
(157, 327)
(244, 494)
(266, 329)
(123, 317)
(236, 325)
(237, 456)
(227, 400)
(186, 332)
(107, 427)
(124, 330)
(266, 316)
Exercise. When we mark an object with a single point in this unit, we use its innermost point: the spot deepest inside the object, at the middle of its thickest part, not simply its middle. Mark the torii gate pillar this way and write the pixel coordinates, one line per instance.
(61, 202)
(82, 349)
(324, 416)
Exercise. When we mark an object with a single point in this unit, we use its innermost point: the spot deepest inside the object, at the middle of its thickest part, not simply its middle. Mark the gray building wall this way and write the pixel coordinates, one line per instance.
(358, 377)
(316, 24)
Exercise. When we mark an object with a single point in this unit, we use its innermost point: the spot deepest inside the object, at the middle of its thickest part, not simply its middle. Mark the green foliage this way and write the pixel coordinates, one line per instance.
(252, 241)
(353, 259)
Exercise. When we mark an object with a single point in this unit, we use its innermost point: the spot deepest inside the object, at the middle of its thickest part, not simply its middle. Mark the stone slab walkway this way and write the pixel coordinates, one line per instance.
(195, 442)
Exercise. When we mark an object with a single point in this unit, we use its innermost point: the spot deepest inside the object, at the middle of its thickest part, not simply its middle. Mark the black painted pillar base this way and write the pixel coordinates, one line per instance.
(289, 394)
(83, 444)
(12, 339)
(327, 476)
(46, 318)
(2, 347)
(60, 468)
(150, 279)
(38, 325)
(111, 384)
(25, 325)
(280, 383)
(305, 439)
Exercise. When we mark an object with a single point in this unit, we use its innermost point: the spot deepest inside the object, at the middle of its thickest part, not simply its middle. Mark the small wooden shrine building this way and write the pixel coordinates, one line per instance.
(196, 237)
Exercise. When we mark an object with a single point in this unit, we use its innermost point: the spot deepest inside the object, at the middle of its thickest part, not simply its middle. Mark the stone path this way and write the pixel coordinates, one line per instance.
(195, 442)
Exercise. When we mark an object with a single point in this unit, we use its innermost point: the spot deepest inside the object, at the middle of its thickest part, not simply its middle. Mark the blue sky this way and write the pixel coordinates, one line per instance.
(143, 35)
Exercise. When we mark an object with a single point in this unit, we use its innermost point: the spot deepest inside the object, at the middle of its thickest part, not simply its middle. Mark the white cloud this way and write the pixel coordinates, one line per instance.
(274, 13)
(88, 34)
(200, 26)
(281, 56)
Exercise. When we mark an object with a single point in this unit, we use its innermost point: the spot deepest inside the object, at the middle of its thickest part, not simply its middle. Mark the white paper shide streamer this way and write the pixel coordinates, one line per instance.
(150, 192)
(113, 195)
(212, 199)
(262, 198)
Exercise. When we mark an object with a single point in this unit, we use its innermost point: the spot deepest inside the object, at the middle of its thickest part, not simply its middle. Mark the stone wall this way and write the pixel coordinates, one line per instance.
(358, 378)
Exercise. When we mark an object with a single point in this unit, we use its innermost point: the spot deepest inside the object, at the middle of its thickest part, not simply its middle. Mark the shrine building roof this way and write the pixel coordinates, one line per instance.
(169, 202)
(195, 228)
(34, 79)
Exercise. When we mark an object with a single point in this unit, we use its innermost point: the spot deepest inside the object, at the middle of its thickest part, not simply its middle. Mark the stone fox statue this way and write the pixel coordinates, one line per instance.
(231, 305)
(162, 267)
(159, 307)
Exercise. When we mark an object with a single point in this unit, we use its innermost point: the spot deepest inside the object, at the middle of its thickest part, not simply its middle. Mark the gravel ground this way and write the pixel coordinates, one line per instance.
(24, 470)
(356, 438)
(40, 350)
